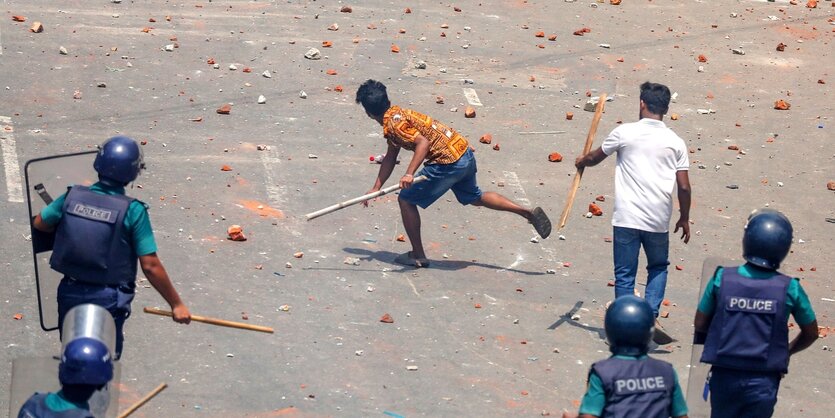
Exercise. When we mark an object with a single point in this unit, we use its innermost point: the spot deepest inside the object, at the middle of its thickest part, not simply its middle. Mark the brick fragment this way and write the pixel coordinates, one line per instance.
(496, 147)
(387, 319)
(225, 109)
(19, 18)
(469, 112)
(225, 168)
(539, 34)
(781, 47)
(346, 9)
(327, 44)
(554, 157)
(235, 233)
(330, 72)
(401, 238)
(782, 105)
(830, 186)
(37, 27)
(552, 37)
(394, 48)
(600, 198)
(595, 210)
(733, 147)
(486, 139)
(702, 58)
(569, 115)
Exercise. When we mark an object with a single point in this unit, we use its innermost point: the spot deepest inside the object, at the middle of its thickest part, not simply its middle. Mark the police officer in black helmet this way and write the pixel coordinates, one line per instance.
(742, 321)
(630, 383)
(99, 235)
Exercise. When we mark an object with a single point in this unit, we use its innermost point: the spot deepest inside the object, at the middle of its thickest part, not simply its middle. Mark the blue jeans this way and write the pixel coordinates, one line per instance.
(627, 246)
(742, 394)
(116, 299)
(440, 178)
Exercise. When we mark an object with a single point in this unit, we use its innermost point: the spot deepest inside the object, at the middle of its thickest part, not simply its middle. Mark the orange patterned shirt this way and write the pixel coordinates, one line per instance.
(402, 126)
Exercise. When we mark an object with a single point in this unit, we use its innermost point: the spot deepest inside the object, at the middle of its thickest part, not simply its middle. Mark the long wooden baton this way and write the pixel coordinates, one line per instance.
(213, 321)
(598, 112)
(363, 198)
(144, 400)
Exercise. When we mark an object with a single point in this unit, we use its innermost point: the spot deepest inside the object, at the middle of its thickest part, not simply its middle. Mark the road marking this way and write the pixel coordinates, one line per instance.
(514, 183)
(14, 186)
(275, 191)
(472, 97)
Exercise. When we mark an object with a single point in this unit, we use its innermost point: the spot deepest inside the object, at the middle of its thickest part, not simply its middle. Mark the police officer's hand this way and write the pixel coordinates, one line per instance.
(181, 314)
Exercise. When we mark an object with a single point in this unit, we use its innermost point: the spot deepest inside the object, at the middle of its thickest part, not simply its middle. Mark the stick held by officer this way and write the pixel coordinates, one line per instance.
(100, 233)
(630, 383)
(742, 320)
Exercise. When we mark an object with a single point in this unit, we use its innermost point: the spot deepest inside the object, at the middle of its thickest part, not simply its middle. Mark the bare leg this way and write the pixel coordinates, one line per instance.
(495, 201)
(411, 221)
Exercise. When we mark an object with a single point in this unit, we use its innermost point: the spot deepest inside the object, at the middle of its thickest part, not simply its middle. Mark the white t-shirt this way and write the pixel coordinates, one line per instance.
(649, 155)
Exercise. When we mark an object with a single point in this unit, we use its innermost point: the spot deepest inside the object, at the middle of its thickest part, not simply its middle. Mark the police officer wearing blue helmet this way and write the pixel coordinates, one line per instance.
(99, 235)
(742, 321)
(630, 383)
(85, 367)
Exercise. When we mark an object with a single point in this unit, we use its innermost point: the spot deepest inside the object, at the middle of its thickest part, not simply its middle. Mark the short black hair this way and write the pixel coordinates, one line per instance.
(372, 95)
(656, 96)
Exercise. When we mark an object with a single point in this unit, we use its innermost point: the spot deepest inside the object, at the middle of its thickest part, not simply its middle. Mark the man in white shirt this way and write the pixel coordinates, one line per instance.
(651, 160)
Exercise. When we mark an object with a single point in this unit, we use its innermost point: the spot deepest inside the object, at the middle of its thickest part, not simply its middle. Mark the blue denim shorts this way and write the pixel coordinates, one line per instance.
(458, 177)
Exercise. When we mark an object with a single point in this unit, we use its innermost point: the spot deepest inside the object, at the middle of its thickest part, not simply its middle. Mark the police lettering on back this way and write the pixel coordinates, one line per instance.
(752, 305)
(639, 385)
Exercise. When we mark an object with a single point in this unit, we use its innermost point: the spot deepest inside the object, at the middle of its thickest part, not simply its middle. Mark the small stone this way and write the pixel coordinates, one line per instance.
(607, 46)
(469, 112)
(346, 9)
(334, 27)
(168, 48)
(420, 65)
(830, 186)
(225, 109)
(738, 51)
(313, 54)
(101, 84)
(486, 139)
(302, 95)
(298, 255)
(562, 237)
(351, 261)
(284, 308)
(312, 156)
(387, 319)
(76, 95)
(62, 50)
(266, 74)
(262, 99)
(37, 27)
(411, 368)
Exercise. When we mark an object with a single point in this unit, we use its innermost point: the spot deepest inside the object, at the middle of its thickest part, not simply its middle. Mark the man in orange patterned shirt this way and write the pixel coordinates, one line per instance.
(448, 164)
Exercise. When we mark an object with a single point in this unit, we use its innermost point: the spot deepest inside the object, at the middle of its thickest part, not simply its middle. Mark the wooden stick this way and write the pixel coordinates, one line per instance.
(598, 112)
(144, 400)
(213, 321)
(363, 198)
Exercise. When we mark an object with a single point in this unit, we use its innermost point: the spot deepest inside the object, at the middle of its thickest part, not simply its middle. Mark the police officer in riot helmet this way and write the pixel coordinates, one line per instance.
(86, 367)
(742, 320)
(100, 234)
(630, 383)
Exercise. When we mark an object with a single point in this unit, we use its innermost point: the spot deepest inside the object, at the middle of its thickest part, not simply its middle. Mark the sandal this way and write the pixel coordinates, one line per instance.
(407, 260)
(540, 222)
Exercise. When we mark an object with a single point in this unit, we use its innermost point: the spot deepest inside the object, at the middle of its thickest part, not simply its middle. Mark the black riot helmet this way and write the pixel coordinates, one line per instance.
(767, 239)
(629, 326)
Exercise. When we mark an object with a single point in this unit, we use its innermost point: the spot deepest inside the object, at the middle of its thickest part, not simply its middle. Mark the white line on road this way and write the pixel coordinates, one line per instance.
(472, 97)
(513, 182)
(14, 186)
(275, 191)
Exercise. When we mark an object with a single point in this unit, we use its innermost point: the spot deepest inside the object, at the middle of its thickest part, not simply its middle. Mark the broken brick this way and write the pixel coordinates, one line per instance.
(247, 70)
(666, 302)
(330, 72)
(552, 37)
(830, 186)
(781, 47)
(37, 27)
(346, 9)
(820, 81)
(600, 198)
(225, 109)
(595, 210)
(554, 157)
(679, 268)
(469, 112)
(812, 4)
(610, 283)
(733, 147)
(401, 238)
(539, 34)
(225, 168)
(664, 314)
(456, 8)
(439, 99)
(486, 139)
(702, 58)
(674, 116)
(477, 306)
(782, 105)
(580, 32)
(235, 233)
(386, 318)
(395, 48)
(496, 147)
(210, 61)
(18, 316)
(298, 255)
(327, 44)
(408, 10)
(569, 115)
(19, 18)
(338, 89)
(614, 2)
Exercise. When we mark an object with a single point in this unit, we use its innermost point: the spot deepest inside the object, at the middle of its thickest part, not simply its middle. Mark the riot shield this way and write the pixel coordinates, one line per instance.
(46, 179)
(698, 401)
(40, 374)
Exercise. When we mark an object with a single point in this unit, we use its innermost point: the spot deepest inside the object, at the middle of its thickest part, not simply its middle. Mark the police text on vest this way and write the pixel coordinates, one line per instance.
(737, 303)
(639, 385)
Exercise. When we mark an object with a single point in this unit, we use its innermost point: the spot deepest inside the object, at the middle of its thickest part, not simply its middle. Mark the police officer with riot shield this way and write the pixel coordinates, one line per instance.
(630, 383)
(742, 322)
(99, 235)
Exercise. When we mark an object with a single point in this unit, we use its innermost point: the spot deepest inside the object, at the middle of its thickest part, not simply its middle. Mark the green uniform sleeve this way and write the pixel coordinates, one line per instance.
(708, 302)
(802, 308)
(679, 404)
(51, 214)
(595, 398)
(139, 224)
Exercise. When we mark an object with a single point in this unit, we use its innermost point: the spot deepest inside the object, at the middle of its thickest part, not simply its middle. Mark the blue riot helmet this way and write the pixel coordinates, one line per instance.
(629, 326)
(767, 239)
(85, 361)
(119, 161)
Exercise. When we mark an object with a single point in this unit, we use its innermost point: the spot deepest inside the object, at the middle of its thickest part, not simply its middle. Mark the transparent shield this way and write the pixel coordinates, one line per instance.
(46, 179)
(698, 401)
(40, 374)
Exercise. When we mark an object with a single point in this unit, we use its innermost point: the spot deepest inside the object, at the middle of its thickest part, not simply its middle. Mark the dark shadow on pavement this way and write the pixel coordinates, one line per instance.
(445, 265)
(566, 319)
